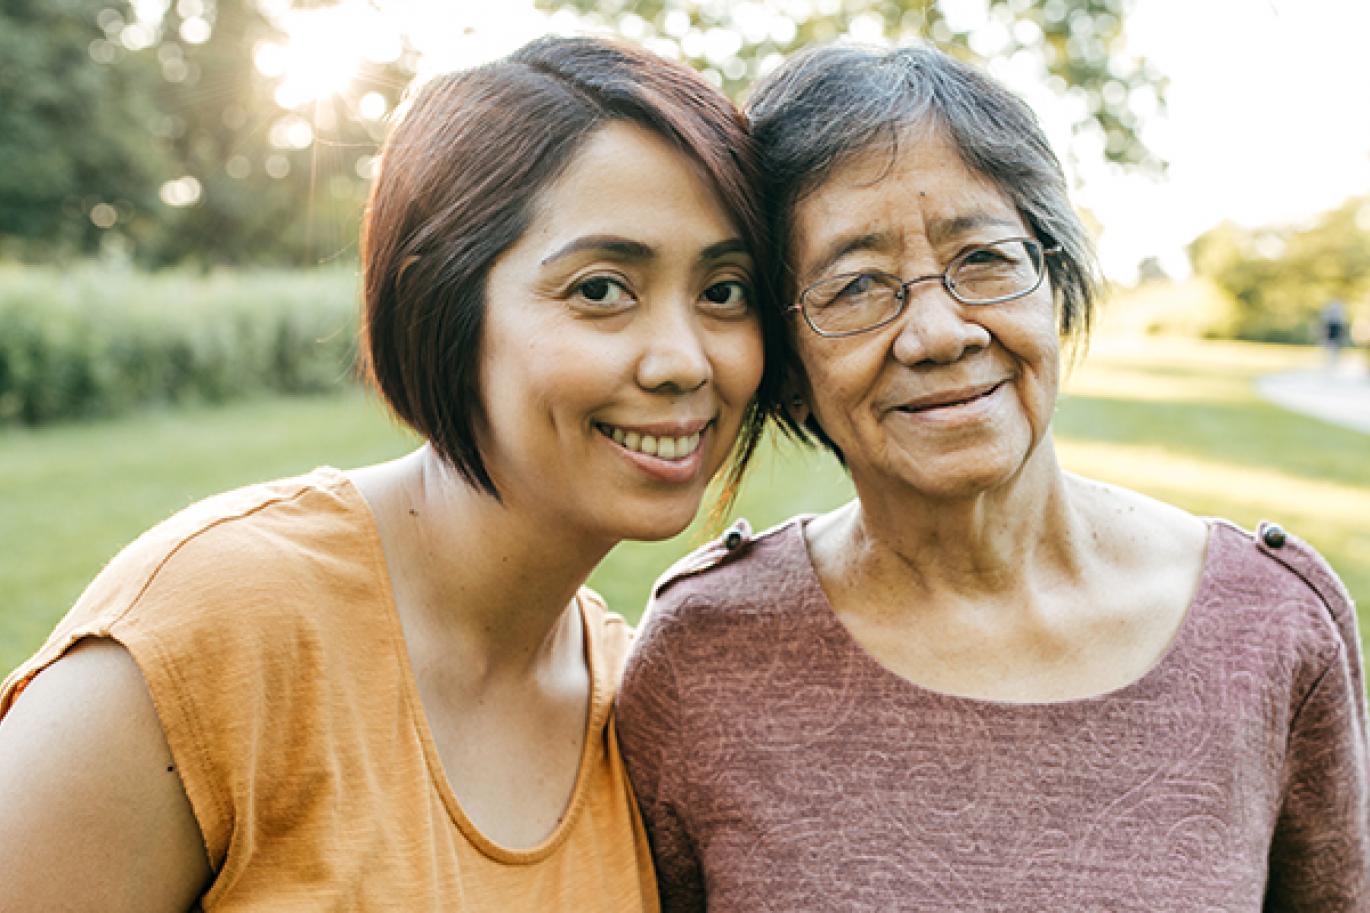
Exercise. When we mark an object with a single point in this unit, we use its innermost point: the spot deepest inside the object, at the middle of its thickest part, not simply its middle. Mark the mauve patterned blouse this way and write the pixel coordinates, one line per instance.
(781, 768)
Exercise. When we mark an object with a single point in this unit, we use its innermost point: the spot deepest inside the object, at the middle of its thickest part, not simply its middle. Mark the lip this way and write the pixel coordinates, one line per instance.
(673, 472)
(947, 399)
(683, 428)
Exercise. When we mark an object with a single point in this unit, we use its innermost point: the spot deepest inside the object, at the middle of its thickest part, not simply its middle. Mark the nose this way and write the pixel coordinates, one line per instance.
(674, 357)
(937, 328)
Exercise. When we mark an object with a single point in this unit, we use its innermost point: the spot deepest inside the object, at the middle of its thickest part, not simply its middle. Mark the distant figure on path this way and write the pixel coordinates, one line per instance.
(1335, 330)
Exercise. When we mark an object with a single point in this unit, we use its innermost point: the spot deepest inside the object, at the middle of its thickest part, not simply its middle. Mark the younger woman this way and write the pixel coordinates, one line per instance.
(386, 688)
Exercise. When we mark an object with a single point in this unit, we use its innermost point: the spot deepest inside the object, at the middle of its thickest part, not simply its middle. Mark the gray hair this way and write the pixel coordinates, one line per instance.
(826, 104)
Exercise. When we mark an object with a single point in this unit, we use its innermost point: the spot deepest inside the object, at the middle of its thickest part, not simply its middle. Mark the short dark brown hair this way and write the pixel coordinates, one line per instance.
(459, 177)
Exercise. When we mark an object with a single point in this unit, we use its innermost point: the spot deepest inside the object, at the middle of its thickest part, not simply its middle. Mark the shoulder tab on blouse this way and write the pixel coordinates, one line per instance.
(1306, 564)
(1310, 567)
(734, 542)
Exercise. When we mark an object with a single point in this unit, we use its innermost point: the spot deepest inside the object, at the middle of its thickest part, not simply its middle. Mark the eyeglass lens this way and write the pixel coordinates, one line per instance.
(992, 272)
(995, 271)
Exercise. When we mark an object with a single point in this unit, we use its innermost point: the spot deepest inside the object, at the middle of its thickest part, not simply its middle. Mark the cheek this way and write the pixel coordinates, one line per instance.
(738, 355)
(1034, 344)
(1029, 333)
(838, 372)
(574, 371)
(542, 372)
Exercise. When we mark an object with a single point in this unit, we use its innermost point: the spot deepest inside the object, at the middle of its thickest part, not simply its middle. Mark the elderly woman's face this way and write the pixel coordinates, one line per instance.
(949, 399)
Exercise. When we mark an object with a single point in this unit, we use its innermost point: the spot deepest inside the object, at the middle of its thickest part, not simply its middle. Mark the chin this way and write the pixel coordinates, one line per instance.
(652, 524)
(653, 533)
(962, 478)
(961, 489)
(977, 470)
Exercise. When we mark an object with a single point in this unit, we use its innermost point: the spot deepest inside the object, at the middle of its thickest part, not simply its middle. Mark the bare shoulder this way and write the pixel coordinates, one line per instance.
(1152, 551)
(89, 796)
(1137, 532)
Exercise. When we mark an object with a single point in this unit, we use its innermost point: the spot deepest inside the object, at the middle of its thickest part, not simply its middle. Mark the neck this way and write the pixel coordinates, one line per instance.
(494, 580)
(988, 543)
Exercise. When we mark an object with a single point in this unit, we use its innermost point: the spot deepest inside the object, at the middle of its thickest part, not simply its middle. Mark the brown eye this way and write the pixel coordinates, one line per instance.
(985, 256)
(730, 296)
(859, 287)
(602, 291)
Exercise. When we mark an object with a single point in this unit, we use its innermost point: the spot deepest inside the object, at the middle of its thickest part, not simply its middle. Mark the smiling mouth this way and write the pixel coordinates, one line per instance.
(663, 447)
(957, 399)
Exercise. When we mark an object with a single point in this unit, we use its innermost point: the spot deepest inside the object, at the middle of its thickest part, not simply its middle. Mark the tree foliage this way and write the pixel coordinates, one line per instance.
(164, 139)
(1077, 44)
(102, 109)
(73, 132)
(278, 184)
(1280, 277)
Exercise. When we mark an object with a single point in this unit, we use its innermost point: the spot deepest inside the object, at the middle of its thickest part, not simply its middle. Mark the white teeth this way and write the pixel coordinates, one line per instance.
(666, 448)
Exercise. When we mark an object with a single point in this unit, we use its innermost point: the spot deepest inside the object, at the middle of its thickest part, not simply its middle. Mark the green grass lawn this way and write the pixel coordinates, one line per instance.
(1179, 420)
(1175, 419)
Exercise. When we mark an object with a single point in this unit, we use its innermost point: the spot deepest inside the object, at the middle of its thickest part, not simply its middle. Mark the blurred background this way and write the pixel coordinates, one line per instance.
(183, 183)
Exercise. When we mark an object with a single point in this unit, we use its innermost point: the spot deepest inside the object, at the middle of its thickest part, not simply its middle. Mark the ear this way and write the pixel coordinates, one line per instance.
(795, 397)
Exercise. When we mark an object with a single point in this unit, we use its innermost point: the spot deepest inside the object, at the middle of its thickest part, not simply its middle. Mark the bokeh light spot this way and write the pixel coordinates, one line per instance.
(195, 30)
(277, 166)
(368, 166)
(182, 192)
(104, 215)
(373, 106)
(102, 51)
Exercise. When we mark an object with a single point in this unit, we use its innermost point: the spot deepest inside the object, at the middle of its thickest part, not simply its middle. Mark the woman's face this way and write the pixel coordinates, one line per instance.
(621, 345)
(950, 399)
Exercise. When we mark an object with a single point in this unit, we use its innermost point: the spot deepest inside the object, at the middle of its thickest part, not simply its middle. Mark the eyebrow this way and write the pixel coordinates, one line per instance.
(636, 250)
(939, 232)
(720, 249)
(605, 244)
(876, 241)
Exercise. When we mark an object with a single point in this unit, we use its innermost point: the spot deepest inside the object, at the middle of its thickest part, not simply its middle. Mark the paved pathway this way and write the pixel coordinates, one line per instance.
(1340, 396)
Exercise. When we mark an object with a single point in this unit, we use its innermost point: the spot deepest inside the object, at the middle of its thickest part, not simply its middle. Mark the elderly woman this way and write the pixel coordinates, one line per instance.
(985, 684)
(385, 688)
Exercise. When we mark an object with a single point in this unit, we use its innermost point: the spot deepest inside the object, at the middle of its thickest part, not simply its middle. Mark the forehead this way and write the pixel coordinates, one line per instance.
(627, 180)
(915, 192)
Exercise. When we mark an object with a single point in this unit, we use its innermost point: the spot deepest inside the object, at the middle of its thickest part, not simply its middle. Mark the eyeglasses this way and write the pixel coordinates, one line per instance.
(988, 274)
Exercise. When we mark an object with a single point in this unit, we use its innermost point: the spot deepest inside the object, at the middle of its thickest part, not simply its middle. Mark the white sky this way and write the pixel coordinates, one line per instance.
(1268, 120)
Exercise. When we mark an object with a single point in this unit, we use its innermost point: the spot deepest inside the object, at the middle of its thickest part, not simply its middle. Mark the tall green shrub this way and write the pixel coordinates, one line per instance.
(92, 341)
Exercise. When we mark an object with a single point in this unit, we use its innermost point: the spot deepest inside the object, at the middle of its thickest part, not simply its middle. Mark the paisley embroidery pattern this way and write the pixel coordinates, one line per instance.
(780, 767)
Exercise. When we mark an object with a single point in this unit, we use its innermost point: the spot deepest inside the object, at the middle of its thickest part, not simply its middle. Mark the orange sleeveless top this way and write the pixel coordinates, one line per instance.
(263, 623)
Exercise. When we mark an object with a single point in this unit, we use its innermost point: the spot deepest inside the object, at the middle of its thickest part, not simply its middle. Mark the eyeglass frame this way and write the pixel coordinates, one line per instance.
(902, 294)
